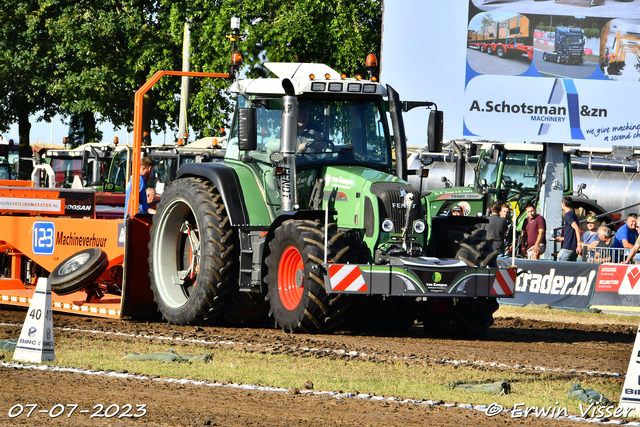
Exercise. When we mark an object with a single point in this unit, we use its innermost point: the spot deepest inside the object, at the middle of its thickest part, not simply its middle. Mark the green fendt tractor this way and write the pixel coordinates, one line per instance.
(310, 222)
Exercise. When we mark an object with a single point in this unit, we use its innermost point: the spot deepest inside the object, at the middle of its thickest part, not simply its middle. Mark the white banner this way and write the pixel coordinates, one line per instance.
(506, 71)
(30, 205)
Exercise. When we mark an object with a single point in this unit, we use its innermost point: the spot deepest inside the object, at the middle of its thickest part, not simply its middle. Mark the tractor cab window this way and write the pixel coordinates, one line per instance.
(65, 169)
(164, 172)
(519, 177)
(329, 131)
(118, 171)
(487, 170)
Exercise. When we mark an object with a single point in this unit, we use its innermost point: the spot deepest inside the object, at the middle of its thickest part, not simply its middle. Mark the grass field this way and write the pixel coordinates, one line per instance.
(403, 378)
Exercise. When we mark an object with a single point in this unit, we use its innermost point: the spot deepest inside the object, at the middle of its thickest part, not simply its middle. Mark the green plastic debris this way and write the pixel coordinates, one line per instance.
(8, 345)
(169, 356)
(587, 395)
(497, 388)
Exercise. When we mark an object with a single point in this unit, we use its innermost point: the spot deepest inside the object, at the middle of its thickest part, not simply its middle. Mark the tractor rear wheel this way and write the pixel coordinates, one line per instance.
(296, 293)
(191, 253)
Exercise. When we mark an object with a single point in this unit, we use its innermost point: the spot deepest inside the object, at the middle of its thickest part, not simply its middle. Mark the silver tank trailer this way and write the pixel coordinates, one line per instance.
(610, 184)
(443, 166)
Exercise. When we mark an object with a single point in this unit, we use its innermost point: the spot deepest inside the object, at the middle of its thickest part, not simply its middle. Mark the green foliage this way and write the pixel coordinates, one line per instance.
(86, 59)
(591, 33)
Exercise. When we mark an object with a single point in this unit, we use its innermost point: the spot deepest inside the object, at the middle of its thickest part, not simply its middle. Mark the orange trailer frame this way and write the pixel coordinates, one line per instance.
(47, 226)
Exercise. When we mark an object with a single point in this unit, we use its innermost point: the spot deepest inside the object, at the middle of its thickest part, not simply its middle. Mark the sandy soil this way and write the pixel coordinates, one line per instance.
(518, 343)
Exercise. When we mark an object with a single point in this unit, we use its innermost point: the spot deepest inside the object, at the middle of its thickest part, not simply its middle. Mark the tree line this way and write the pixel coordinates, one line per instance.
(84, 59)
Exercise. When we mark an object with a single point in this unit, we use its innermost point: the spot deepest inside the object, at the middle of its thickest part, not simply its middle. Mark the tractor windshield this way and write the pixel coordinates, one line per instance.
(513, 174)
(65, 169)
(329, 131)
(519, 175)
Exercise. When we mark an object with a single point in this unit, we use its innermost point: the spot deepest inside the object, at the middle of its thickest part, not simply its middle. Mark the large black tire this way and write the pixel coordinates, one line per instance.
(466, 243)
(463, 318)
(245, 308)
(78, 271)
(476, 250)
(373, 314)
(501, 52)
(191, 253)
(296, 293)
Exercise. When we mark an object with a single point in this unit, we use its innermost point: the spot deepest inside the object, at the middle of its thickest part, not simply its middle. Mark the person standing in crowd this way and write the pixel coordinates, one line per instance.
(590, 237)
(146, 168)
(505, 210)
(605, 241)
(627, 235)
(535, 230)
(497, 228)
(571, 245)
(634, 249)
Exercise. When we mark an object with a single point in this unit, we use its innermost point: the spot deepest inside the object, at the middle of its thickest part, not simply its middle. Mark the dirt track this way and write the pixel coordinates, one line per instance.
(519, 344)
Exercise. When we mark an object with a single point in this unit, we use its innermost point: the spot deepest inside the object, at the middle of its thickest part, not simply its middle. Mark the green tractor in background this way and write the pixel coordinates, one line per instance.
(510, 173)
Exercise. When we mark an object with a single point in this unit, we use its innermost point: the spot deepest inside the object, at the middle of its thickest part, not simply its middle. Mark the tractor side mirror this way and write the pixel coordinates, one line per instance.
(247, 129)
(435, 130)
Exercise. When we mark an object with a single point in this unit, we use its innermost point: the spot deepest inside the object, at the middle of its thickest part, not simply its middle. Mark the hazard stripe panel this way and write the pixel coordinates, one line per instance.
(346, 278)
(504, 283)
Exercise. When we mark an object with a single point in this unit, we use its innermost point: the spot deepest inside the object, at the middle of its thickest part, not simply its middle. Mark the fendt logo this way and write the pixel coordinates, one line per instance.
(43, 235)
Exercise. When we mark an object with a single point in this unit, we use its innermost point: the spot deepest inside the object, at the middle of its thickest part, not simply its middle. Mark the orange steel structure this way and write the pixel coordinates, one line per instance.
(41, 227)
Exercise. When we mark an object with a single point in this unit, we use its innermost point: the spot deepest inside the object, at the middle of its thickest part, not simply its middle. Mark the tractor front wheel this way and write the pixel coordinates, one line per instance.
(296, 293)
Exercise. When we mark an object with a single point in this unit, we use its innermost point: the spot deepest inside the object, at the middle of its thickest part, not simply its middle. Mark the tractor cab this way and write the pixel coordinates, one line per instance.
(512, 174)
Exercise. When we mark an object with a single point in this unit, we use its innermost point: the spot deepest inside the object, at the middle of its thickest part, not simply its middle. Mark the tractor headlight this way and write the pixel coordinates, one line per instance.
(419, 226)
(387, 226)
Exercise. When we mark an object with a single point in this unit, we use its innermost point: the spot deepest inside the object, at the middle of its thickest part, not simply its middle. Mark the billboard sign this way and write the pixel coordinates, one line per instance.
(566, 71)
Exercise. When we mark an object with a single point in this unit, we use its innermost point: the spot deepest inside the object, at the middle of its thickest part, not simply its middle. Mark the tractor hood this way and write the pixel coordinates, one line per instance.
(365, 196)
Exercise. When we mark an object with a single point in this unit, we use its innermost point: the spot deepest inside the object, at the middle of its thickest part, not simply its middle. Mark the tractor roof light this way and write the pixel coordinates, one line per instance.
(235, 23)
(372, 60)
(236, 59)
(371, 63)
(327, 76)
(312, 76)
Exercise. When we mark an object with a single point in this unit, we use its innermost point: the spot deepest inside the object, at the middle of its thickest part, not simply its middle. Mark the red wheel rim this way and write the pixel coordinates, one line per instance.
(290, 265)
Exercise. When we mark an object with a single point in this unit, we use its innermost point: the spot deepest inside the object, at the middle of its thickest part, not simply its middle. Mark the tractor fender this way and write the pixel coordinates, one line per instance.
(589, 204)
(302, 214)
(306, 214)
(228, 184)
